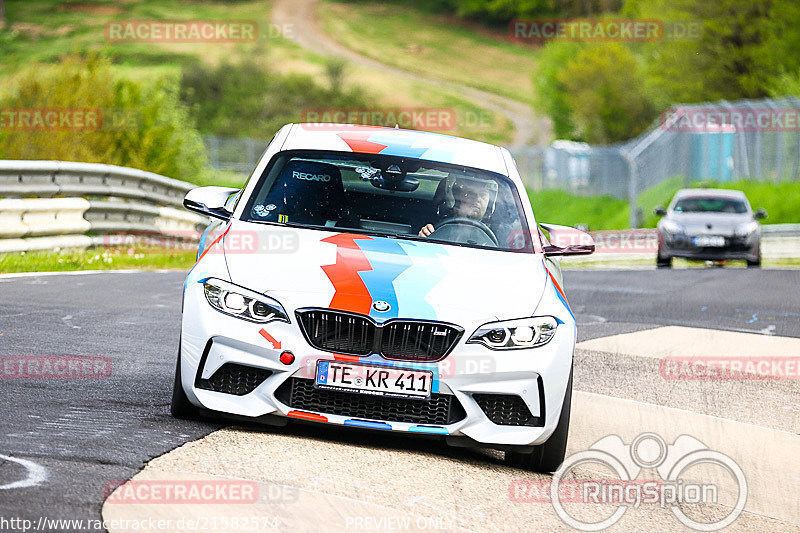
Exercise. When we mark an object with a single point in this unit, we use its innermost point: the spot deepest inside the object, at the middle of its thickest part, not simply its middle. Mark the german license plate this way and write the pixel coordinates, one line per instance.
(374, 380)
(709, 240)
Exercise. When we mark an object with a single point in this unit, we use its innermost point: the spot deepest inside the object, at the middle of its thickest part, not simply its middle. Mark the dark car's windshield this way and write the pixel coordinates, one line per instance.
(710, 205)
(391, 196)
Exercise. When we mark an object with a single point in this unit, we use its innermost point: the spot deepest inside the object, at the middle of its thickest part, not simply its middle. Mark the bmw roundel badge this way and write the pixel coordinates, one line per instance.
(381, 306)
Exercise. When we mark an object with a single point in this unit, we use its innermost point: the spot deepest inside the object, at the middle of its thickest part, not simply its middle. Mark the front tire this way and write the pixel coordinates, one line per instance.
(548, 457)
(755, 263)
(663, 261)
(181, 407)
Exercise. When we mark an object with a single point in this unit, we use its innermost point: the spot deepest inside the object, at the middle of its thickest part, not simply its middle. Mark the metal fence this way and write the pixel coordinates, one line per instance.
(720, 142)
(54, 204)
(239, 154)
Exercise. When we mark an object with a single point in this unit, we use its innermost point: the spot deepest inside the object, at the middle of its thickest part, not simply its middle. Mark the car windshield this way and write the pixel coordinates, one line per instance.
(710, 205)
(391, 196)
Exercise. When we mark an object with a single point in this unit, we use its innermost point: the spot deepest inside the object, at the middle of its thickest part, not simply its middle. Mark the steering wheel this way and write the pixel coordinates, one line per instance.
(470, 222)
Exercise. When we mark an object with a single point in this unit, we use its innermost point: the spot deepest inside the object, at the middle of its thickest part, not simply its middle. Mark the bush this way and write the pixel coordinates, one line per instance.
(248, 100)
(550, 97)
(606, 94)
(143, 125)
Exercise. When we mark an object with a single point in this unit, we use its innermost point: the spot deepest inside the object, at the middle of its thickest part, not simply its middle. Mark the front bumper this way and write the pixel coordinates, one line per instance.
(476, 386)
(735, 248)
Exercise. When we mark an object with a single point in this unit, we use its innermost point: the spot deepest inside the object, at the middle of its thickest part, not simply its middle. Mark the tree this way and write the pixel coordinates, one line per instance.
(550, 93)
(606, 93)
(2, 14)
(741, 48)
(137, 124)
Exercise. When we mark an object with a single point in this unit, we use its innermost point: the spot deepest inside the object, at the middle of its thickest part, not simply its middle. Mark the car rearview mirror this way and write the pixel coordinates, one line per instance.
(760, 214)
(209, 201)
(660, 211)
(565, 240)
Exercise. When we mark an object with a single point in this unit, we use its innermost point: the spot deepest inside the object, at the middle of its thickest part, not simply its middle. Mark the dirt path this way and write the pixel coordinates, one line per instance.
(299, 16)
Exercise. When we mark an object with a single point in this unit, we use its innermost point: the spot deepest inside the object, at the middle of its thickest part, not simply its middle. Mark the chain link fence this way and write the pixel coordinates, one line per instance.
(239, 154)
(725, 141)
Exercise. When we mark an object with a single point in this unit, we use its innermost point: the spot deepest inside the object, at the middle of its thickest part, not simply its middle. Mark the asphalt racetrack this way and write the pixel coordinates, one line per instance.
(64, 444)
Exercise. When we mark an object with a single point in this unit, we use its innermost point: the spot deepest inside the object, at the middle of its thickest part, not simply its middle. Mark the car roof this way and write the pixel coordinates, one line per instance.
(396, 142)
(714, 193)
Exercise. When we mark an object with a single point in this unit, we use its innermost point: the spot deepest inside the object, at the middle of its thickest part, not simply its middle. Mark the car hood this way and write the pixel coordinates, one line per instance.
(720, 223)
(413, 279)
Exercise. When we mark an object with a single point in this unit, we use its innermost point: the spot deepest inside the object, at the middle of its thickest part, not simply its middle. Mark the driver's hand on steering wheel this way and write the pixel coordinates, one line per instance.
(426, 230)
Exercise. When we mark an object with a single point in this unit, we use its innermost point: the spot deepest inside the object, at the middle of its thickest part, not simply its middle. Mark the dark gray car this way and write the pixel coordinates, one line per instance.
(709, 225)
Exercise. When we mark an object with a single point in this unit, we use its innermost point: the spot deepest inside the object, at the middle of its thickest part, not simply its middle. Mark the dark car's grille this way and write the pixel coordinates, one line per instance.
(232, 378)
(441, 409)
(507, 410)
(397, 339)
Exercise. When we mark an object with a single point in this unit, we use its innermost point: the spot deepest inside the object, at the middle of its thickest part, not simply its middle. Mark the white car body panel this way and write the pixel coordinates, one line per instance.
(455, 284)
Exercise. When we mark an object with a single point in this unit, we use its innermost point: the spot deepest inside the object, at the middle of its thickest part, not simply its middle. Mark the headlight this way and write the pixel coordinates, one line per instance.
(520, 333)
(671, 227)
(242, 303)
(743, 230)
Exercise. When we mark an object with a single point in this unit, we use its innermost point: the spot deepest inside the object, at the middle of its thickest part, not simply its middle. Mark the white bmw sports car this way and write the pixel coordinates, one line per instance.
(385, 279)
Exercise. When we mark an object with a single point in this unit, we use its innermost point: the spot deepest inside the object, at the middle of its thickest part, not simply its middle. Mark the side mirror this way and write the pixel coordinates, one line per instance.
(565, 240)
(760, 214)
(209, 201)
(660, 211)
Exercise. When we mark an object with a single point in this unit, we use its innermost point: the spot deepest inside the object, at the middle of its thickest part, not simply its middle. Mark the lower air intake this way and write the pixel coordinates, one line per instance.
(507, 410)
(232, 378)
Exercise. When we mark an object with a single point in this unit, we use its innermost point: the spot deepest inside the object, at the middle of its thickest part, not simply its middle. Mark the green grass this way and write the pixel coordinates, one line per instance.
(221, 178)
(419, 41)
(98, 259)
(561, 207)
(39, 32)
(781, 200)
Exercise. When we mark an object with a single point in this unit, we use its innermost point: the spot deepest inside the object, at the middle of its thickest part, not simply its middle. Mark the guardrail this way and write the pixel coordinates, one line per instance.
(778, 241)
(53, 204)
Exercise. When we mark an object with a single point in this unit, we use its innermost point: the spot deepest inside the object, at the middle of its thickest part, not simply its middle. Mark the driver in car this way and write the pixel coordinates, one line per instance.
(471, 199)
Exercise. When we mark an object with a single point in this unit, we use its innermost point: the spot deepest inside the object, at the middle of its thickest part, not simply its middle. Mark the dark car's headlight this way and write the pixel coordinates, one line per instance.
(746, 229)
(242, 303)
(671, 227)
(514, 334)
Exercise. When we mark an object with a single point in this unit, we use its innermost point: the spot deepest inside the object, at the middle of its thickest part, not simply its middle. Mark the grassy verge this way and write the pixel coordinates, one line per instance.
(781, 200)
(97, 259)
(432, 44)
(39, 32)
